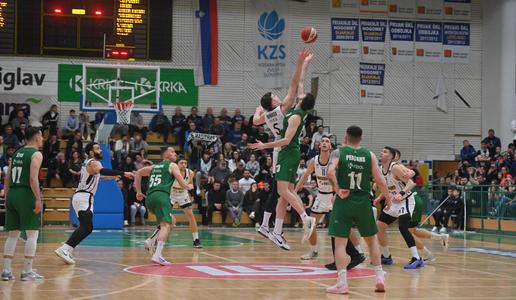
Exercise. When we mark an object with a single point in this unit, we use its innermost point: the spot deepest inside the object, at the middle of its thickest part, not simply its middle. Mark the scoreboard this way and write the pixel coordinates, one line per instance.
(83, 27)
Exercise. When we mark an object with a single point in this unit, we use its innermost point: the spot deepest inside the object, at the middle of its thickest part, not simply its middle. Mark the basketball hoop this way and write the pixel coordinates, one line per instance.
(123, 111)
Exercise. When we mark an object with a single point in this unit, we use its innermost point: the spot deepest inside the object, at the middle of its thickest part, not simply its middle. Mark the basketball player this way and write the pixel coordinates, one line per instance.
(351, 173)
(82, 200)
(324, 201)
(272, 112)
(23, 204)
(400, 185)
(182, 198)
(161, 179)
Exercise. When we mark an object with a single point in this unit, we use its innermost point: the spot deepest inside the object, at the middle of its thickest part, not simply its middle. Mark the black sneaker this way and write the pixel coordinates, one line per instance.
(331, 266)
(355, 261)
(197, 244)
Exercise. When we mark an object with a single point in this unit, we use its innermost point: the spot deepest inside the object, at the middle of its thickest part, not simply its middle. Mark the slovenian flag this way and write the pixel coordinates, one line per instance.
(207, 43)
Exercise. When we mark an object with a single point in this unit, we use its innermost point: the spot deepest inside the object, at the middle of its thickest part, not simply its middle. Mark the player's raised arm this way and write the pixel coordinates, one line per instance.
(379, 180)
(292, 90)
(304, 177)
(35, 165)
(94, 167)
(304, 71)
(259, 116)
(293, 124)
(174, 170)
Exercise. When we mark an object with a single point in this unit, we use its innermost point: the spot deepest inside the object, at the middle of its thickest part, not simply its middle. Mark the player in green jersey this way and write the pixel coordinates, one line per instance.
(286, 168)
(351, 173)
(161, 178)
(23, 204)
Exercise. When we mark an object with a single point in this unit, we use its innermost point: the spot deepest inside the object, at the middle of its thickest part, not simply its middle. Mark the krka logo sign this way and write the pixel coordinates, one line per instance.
(271, 27)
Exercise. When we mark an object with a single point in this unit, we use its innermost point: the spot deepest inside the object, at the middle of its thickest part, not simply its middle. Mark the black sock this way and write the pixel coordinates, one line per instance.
(351, 250)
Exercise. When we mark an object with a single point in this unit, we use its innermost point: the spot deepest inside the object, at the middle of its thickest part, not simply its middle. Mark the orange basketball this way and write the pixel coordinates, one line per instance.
(309, 34)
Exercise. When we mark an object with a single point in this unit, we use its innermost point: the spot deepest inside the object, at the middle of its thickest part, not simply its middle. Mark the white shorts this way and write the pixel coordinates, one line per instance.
(82, 201)
(181, 198)
(323, 203)
(404, 207)
(275, 154)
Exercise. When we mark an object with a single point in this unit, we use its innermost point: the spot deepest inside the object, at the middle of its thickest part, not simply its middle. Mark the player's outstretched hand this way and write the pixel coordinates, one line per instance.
(343, 193)
(309, 57)
(387, 201)
(259, 110)
(140, 196)
(377, 200)
(190, 186)
(37, 208)
(129, 175)
(257, 146)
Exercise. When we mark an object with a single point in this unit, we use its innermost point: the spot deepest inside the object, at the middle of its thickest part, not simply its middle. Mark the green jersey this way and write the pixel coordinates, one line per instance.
(354, 170)
(20, 167)
(294, 143)
(160, 178)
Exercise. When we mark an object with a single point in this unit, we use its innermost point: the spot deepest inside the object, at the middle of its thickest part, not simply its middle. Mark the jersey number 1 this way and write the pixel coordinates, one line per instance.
(16, 174)
(355, 180)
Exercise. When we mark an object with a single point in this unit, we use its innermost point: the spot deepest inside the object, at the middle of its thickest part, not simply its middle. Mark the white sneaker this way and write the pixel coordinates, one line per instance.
(429, 259)
(161, 261)
(279, 241)
(310, 255)
(264, 231)
(444, 240)
(126, 223)
(435, 229)
(308, 228)
(251, 215)
(443, 230)
(31, 276)
(65, 255)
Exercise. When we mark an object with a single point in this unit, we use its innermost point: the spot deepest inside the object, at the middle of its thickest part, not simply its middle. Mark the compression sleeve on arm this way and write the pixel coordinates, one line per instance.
(110, 172)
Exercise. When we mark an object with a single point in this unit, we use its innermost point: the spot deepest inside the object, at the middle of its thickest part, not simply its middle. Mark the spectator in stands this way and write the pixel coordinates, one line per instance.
(249, 129)
(242, 144)
(138, 162)
(238, 173)
(192, 127)
(99, 116)
(127, 166)
(50, 120)
(20, 118)
(20, 132)
(6, 157)
(507, 199)
(235, 135)
(121, 148)
(160, 124)
(444, 212)
(74, 143)
(265, 174)
(311, 129)
(417, 176)
(208, 119)
(483, 154)
(253, 165)
(2, 189)
(216, 198)
(246, 182)
(50, 149)
(234, 202)
(138, 146)
(308, 200)
(178, 121)
(259, 207)
(227, 151)
(136, 124)
(206, 163)
(10, 139)
(235, 159)
(492, 142)
(58, 169)
(301, 169)
(84, 125)
(304, 147)
(313, 151)
(220, 173)
(225, 119)
(250, 198)
(317, 136)
(216, 127)
(138, 207)
(262, 136)
(195, 118)
(74, 168)
(14, 113)
(237, 117)
(468, 153)
(3, 146)
(72, 124)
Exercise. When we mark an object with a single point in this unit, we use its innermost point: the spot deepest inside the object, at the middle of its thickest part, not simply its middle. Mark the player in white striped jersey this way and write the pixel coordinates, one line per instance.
(82, 200)
(272, 112)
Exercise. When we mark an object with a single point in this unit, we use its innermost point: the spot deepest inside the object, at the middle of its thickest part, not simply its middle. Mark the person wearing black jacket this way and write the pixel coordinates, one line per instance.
(216, 201)
(50, 120)
(453, 205)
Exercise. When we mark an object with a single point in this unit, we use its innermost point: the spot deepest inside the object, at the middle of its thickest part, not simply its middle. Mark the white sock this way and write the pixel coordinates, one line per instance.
(27, 265)
(342, 277)
(278, 226)
(7, 264)
(427, 252)
(304, 216)
(413, 251)
(385, 251)
(359, 249)
(67, 247)
(195, 235)
(159, 249)
(266, 218)
(378, 270)
(313, 248)
(436, 236)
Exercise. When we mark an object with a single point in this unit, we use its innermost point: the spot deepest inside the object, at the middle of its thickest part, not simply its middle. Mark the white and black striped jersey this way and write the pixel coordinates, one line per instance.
(88, 183)
(177, 190)
(394, 186)
(274, 120)
(321, 175)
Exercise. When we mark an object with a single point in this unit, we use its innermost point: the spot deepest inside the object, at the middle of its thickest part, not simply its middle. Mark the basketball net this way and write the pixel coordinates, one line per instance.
(123, 111)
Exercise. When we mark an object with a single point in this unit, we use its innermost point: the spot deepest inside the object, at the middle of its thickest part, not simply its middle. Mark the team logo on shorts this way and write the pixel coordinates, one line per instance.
(263, 271)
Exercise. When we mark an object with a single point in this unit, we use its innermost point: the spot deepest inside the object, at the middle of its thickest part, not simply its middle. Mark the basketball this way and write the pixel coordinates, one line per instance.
(309, 34)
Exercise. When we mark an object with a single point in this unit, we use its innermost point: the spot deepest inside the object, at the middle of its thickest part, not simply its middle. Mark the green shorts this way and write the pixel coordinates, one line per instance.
(20, 210)
(286, 168)
(416, 214)
(158, 203)
(356, 209)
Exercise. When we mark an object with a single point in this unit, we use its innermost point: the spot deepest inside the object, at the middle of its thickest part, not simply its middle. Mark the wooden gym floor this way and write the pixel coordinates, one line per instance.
(101, 260)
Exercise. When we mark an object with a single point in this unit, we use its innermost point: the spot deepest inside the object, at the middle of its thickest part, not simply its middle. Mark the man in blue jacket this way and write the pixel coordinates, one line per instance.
(468, 153)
